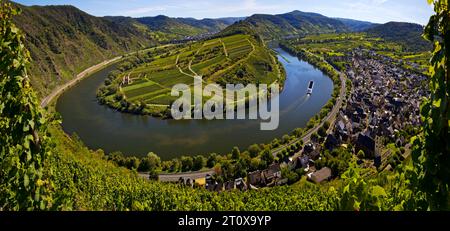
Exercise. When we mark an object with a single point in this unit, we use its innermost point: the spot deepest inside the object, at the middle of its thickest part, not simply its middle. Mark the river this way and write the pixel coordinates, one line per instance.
(100, 127)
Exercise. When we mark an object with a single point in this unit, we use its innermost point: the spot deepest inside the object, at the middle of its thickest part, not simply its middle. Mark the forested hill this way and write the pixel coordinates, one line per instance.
(186, 26)
(293, 24)
(407, 34)
(64, 40)
(356, 25)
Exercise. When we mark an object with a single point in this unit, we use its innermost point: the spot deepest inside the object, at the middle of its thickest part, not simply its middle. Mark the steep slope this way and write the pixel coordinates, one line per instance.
(293, 24)
(63, 41)
(356, 25)
(407, 34)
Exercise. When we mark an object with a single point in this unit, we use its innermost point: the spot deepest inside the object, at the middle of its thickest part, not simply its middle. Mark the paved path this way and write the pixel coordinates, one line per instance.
(192, 175)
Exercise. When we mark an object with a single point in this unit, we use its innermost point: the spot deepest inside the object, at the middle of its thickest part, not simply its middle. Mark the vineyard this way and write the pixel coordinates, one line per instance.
(146, 80)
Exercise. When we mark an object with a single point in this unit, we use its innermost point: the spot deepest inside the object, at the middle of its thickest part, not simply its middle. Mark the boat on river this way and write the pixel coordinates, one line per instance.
(310, 87)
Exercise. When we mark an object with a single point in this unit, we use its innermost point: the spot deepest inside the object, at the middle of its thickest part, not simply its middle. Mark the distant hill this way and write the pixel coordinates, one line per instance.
(293, 24)
(407, 34)
(184, 26)
(356, 25)
(64, 40)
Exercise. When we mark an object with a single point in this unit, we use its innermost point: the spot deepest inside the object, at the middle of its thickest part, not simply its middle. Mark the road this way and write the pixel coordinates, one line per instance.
(74, 81)
(331, 118)
(59, 90)
(192, 175)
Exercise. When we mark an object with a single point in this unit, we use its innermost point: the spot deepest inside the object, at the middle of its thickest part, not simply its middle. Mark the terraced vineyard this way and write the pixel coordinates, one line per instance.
(145, 87)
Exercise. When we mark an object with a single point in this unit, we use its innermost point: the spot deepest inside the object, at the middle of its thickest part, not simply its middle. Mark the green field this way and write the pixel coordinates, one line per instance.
(233, 59)
(334, 46)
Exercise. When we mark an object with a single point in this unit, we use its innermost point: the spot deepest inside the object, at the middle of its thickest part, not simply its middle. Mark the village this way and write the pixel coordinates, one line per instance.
(385, 100)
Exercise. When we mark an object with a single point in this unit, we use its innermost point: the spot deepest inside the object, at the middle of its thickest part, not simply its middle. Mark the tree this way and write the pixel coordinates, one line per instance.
(150, 162)
(212, 160)
(186, 163)
(322, 131)
(198, 163)
(431, 152)
(254, 150)
(132, 163)
(267, 156)
(314, 136)
(285, 139)
(254, 164)
(235, 153)
(326, 125)
(290, 175)
(25, 146)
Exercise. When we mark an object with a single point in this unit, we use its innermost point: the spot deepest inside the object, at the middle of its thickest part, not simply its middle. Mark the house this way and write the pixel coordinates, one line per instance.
(272, 173)
(255, 178)
(240, 184)
(320, 176)
(302, 162)
(377, 160)
(366, 144)
(331, 142)
(219, 187)
(230, 185)
(308, 148)
(201, 182)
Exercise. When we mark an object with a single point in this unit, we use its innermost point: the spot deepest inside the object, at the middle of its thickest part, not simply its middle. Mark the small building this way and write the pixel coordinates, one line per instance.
(331, 142)
(272, 173)
(201, 182)
(255, 178)
(240, 184)
(302, 162)
(366, 144)
(230, 185)
(320, 176)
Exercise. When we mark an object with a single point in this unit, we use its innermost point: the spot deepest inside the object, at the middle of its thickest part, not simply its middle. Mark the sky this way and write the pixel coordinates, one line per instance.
(377, 11)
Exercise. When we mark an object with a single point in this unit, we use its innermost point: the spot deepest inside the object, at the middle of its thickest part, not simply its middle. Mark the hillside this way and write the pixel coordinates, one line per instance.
(64, 40)
(293, 24)
(177, 28)
(407, 34)
(356, 25)
(144, 83)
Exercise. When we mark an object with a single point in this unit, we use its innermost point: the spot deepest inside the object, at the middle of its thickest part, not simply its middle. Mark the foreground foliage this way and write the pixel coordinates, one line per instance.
(24, 145)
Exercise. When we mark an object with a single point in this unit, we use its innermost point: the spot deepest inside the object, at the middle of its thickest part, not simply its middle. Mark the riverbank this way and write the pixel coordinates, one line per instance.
(86, 73)
(89, 71)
